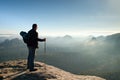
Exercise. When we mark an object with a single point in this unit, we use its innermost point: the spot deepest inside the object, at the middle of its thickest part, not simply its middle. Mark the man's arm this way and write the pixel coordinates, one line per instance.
(41, 40)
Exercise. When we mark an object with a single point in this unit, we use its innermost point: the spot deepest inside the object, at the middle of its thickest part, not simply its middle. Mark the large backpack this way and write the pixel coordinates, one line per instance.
(24, 36)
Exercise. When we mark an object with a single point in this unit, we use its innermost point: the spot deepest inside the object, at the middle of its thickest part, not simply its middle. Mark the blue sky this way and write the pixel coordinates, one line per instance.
(60, 17)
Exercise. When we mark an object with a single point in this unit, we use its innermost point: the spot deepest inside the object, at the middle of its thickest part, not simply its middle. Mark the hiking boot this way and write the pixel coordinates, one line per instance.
(32, 70)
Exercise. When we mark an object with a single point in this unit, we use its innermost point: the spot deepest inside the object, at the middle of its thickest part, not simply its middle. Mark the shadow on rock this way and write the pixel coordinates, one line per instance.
(34, 76)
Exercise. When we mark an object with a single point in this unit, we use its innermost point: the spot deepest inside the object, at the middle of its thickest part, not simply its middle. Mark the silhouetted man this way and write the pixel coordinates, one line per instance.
(32, 45)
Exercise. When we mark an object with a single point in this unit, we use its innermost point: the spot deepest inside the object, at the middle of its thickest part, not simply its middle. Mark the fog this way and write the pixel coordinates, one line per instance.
(90, 55)
(99, 54)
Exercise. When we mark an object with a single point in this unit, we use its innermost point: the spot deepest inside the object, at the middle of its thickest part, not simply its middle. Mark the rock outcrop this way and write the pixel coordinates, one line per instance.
(16, 70)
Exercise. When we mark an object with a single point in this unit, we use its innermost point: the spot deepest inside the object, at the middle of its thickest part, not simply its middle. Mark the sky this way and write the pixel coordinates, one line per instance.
(60, 17)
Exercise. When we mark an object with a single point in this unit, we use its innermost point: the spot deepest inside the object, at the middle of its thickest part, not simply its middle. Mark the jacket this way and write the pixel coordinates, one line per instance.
(33, 39)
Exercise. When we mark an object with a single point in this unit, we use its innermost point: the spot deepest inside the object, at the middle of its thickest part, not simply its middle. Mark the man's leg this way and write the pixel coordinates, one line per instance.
(31, 56)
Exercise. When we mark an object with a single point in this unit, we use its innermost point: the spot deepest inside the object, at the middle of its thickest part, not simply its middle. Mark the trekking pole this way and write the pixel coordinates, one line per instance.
(45, 53)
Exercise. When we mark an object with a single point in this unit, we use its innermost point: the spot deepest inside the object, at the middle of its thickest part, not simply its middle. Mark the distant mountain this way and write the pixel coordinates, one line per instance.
(16, 70)
(11, 43)
(67, 37)
(108, 38)
(2, 39)
(113, 37)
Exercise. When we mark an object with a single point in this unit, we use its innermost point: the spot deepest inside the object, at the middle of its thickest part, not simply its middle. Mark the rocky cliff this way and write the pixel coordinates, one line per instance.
(16, 70)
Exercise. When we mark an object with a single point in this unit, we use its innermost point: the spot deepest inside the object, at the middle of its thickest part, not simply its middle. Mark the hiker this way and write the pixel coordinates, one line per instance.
(32, 44)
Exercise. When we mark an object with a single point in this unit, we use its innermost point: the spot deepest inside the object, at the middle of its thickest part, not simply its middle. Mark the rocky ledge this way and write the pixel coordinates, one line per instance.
(16, 70)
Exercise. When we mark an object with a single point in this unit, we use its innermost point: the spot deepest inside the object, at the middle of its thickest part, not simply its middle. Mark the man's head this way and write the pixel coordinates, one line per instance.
(34, 26)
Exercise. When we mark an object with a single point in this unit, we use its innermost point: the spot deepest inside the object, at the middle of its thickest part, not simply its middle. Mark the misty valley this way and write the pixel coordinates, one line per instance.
(91, 55)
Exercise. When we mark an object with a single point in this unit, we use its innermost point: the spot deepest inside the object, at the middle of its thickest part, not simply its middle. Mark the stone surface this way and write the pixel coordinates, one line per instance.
(16, 70)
